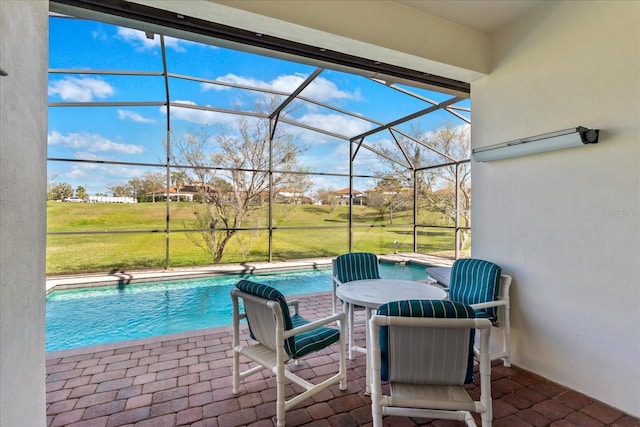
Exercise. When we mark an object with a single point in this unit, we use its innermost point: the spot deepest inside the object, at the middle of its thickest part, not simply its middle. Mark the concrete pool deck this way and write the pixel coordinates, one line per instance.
(185, 380)
(119, 277)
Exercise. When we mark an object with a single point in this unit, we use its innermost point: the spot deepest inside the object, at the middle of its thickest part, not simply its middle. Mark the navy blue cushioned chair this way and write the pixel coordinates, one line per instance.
(425, 350)
(482, 285)
(277, 337)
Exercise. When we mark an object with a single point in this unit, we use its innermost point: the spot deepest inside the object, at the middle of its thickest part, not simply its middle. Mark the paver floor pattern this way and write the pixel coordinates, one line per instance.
(185, 380)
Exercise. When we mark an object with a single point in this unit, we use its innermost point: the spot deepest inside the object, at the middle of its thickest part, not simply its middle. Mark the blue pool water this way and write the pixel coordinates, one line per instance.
(78, 318)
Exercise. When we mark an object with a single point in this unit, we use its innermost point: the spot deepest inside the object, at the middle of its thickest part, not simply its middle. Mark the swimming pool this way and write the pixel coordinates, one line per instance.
(78, 318)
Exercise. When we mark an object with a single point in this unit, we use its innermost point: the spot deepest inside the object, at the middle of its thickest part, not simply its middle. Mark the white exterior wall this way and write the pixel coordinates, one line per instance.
(566, 224)
(23, 136)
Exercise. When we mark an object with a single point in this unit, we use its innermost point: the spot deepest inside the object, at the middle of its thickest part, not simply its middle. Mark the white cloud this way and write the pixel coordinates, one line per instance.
(336, 123)
(95, 177)
(85, 155)
(320, 89)
(92, 143)
(79, 173)
(201, 117)
(99, 34)
(236, 80)
(80, 89)
(138, 39)
(133, 116)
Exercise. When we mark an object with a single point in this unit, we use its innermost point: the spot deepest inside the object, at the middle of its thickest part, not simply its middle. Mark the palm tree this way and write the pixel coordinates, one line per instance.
(178, 178)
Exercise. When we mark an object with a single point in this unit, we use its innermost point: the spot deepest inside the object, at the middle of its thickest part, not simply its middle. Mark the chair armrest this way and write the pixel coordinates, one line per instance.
(315, 324)
(294, 303)
(489, 304)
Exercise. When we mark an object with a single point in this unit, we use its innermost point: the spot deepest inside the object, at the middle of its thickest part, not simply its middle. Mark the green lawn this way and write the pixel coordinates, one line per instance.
(129, 249)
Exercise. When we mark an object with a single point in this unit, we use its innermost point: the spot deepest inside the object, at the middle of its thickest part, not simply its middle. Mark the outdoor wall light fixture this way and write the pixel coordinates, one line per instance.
(573, 137)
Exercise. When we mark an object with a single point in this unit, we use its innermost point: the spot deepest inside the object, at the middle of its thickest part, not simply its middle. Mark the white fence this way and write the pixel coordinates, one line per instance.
(111, 199)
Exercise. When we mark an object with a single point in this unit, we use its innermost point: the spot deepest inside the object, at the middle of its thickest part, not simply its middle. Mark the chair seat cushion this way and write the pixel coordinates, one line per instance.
(310, 341)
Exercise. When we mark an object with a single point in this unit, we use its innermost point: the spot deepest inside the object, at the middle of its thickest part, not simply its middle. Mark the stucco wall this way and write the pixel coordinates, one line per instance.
(23, 133)
(566, 224)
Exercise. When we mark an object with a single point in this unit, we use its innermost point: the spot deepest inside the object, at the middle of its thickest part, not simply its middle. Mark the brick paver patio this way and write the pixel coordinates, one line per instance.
(185, 379)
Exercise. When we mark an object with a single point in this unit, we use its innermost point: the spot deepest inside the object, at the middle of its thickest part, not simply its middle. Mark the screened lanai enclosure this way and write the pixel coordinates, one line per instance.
(168, 151)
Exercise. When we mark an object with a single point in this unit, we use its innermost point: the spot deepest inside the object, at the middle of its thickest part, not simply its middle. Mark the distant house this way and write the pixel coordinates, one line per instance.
(188, 192)
(172, 194)
(389, 190)
(359, 197)
(292, 196)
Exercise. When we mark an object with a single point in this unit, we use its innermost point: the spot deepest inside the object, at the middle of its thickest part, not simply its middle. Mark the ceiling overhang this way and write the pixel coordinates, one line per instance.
(147, 18)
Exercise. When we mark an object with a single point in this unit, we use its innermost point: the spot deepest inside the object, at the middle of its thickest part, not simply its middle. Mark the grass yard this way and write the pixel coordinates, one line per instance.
(139, 240)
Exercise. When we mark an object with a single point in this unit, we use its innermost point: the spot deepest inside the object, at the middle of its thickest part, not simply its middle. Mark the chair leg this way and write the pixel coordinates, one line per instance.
(236, 372)
(506, 345)
(376, 388)
(376, 413)
(486, 420)
(342, 343)
(333, 298)
(280, 407)
(350, 331)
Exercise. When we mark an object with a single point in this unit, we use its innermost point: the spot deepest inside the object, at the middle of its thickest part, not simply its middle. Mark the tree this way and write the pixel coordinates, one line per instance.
(120, 190)
(240, 157)
(179, 178)
(389, 195)
(329, 197)
(60, 191)
(145, 187)
(437, 187)
(456, 143)
(152, 183)
(81, 192)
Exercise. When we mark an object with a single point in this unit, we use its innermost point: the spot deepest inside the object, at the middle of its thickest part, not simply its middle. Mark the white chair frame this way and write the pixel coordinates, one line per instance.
(272, 356)
(503, 303)
(431, 401)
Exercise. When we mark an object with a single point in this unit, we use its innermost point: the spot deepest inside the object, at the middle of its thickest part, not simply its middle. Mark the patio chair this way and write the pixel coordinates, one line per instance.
(350, 267)
(279, 338)
(480, 284)
(424, 349)
(353, 266)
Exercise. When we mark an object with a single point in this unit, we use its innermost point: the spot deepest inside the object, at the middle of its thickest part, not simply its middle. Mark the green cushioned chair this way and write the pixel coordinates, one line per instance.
(424, 349)
(277, 337)
(475, 281)
(353, 266)
(347, 268)
(482, 285)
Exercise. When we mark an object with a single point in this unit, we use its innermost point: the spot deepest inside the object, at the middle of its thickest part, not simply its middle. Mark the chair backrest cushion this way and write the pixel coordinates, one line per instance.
(427, 355)
(475, 281)
(269, 293)
(356, 266)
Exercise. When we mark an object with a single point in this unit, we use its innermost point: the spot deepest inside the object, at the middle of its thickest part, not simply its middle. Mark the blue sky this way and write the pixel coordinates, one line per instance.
(128, 133)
